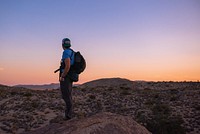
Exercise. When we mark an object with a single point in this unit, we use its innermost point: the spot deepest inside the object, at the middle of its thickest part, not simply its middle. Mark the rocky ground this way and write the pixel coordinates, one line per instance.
(162, 107)
(101, 123)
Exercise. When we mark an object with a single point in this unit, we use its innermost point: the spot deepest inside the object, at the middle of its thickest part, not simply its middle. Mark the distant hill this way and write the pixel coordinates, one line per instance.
(43, 87)
(108, 82)
(104, 82)
(1, 85)
(40, 87)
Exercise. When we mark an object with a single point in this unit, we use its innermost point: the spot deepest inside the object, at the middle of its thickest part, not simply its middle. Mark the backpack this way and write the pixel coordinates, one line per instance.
(79, 62)
(78, 66)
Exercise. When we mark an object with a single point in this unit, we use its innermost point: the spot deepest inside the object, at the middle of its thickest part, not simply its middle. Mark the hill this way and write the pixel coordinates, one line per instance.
(105, 82)
(108, 82)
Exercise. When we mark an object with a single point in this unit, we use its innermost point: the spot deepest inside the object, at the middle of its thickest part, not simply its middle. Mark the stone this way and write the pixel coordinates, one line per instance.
(101, 123)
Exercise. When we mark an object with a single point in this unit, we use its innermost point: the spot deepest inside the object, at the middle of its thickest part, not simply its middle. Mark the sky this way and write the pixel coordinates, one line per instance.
(152, 40)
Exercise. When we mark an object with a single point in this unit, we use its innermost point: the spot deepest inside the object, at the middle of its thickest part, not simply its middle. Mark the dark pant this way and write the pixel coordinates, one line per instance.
(66, 90)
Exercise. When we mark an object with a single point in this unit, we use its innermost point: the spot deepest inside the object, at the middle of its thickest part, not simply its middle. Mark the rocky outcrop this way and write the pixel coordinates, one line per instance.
(102, 123)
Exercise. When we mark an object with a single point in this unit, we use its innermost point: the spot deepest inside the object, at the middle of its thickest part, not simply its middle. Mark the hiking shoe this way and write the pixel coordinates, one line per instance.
(67, 118)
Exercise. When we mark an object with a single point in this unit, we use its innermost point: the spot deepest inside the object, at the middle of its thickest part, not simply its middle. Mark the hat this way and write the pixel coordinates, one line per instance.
(66, 42)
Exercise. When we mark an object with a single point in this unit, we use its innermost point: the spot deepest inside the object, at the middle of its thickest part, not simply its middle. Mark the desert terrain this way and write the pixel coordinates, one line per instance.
(162, 107)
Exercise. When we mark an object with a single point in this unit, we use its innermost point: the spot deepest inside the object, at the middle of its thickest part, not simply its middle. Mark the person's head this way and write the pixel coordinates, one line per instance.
(66, 43)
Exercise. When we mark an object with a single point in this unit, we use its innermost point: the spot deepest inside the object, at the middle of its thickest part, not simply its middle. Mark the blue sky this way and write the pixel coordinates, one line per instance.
(135, 39)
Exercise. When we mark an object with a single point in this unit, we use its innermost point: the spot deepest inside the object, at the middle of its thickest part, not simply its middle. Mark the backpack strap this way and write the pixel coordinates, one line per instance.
(72, 53)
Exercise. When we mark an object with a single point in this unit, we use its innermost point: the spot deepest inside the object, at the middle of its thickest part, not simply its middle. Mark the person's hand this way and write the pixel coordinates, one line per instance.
(61, 79)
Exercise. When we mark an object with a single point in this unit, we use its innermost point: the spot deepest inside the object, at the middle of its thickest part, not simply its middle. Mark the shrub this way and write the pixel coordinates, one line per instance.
(173, 98)
(34, 104)
(165, 125)
(125, 92)
(162, 109)
(13, 93)
(197, 107)
(28, 94)
(162, 123)
(92, 96)
(110, 89)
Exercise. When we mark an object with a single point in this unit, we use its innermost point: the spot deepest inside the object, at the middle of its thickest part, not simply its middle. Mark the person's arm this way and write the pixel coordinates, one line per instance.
(66, 69)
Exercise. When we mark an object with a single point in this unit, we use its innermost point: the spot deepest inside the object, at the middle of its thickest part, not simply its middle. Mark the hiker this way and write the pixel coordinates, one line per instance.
(72, 64)
(65, 80)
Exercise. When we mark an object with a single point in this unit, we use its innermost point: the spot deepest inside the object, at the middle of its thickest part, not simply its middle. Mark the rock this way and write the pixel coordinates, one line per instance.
(102, 123)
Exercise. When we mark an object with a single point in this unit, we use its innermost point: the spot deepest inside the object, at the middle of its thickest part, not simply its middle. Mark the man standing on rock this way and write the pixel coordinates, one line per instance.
(65, 82)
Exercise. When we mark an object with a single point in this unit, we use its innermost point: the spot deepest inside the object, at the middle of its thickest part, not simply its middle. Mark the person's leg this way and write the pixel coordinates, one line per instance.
(66, 90)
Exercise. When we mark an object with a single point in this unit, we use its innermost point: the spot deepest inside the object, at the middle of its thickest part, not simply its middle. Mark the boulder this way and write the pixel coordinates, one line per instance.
(102, 123)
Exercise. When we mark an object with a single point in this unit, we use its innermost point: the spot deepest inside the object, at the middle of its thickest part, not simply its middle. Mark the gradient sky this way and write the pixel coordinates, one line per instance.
(152, 40)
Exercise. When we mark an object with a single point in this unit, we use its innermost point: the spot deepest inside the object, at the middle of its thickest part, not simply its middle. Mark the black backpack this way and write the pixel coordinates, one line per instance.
(79, 62)
(78, 66)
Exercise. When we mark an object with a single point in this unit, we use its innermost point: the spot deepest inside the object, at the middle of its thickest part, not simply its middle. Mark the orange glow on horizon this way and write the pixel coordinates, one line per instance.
(136, 70)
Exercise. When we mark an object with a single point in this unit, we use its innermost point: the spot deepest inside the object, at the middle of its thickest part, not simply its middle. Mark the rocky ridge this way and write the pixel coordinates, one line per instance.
(101, 123)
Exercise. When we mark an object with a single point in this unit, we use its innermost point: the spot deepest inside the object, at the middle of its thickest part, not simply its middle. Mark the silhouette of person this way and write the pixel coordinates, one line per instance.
(65, 82)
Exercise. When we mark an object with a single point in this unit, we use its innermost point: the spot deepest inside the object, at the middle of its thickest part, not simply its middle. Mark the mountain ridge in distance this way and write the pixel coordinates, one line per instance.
(40, 87)
(93, 83)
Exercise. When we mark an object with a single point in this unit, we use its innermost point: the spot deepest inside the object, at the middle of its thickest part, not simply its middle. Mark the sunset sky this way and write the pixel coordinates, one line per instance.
(153, 40)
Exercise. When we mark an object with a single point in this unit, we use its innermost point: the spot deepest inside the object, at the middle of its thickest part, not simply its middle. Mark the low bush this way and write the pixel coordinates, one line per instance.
(162, 122)
(165, 125)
